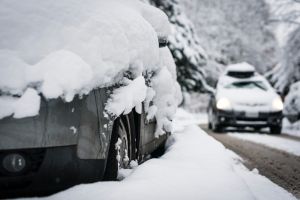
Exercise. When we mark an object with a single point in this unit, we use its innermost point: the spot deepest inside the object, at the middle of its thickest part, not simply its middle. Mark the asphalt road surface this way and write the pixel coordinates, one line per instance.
(280, 167)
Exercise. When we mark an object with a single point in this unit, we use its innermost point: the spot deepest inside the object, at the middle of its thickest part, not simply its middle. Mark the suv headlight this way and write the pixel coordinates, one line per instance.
(223, 104)
(277, 104)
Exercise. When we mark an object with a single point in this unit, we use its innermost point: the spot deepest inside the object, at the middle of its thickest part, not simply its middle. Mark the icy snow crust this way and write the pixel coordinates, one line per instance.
(195, 166)
(63, 48)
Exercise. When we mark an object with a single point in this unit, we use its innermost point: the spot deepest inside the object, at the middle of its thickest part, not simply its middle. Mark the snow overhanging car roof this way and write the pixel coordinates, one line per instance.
(240, 70)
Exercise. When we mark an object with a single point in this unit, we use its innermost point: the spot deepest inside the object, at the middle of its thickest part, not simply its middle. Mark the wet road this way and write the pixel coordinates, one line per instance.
(280, 167)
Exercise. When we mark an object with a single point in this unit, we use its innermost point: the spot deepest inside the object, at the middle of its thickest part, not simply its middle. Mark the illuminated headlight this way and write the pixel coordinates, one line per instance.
(277, 104)
(14, 163)
(223, 104)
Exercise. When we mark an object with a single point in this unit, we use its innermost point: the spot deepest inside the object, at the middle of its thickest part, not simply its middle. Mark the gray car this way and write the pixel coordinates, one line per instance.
(70, 143)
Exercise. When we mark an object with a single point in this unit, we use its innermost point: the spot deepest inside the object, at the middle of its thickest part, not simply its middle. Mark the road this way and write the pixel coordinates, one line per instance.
(280, 167)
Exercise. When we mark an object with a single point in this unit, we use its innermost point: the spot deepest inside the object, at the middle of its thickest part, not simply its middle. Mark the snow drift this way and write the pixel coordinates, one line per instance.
(66, 48)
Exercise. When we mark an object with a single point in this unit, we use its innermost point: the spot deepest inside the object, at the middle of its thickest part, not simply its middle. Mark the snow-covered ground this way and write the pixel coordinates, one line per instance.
(291, 129)
(195, 166)
(284, 144)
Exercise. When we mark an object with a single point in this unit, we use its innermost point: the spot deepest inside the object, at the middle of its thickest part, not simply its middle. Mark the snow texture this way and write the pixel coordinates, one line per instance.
(65, 48)
(193, 167)
(291, 128)
(283, 144)
(26, 106)
(240, 67)
(125, 98)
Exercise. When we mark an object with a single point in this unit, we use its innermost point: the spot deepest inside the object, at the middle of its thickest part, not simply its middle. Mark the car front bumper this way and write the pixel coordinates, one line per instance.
(242, 119)
(47, 170)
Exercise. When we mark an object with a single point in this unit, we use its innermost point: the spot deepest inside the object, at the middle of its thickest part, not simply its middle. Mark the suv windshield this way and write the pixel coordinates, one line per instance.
(248, 85)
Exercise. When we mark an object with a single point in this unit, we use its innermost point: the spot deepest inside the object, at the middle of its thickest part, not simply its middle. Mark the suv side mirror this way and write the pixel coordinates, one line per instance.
(163, 41)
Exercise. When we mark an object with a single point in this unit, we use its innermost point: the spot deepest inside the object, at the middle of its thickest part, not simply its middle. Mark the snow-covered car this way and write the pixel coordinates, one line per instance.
(86, 88)
(244, 98)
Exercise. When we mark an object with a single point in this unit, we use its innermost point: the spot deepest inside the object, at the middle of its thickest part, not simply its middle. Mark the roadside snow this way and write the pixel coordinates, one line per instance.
(195, 166)
(292, 129)
(292, 102)
(201, 118)
(282, 144)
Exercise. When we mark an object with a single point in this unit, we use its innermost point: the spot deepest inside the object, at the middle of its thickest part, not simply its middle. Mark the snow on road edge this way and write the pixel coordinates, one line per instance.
(283, 144)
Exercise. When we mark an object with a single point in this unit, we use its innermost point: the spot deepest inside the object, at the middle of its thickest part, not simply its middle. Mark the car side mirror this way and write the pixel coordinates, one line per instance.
(163, 42)
(280, 94)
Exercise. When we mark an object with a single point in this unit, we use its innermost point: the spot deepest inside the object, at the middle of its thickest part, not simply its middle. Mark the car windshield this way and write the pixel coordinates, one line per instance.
(248, 85)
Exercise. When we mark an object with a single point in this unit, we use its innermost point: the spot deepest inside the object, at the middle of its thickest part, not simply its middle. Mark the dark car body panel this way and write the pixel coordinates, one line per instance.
(62, 123)
(66, 144)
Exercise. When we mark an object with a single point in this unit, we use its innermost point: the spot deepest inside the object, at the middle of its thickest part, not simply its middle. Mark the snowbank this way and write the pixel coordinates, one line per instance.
(292, 100)
(289, 128)
(64, 48)
(283, 144)
(194, 166)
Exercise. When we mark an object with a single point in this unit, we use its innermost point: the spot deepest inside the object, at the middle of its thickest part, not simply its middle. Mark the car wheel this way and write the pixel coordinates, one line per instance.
(209, 126)
(122, 147)
(275, 130)
(257, 129)
(217, 128)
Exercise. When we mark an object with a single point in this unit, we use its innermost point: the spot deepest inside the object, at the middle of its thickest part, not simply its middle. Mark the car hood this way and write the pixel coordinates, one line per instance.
(246, 99)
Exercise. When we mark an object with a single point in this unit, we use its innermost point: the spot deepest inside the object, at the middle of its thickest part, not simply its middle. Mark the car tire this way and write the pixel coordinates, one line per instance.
(217, 128)
(276, 130)
(122, 147)
(209, 126)
(159, 151)
(257, 129)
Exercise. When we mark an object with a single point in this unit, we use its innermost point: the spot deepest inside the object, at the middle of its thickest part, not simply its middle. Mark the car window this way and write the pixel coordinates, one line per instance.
(248, 85)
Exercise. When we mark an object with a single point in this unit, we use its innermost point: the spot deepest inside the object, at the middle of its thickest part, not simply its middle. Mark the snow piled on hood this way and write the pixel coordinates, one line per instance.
(63, 48)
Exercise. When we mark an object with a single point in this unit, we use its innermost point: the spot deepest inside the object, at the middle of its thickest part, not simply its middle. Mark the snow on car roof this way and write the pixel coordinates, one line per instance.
(226, 80)
(240, 67)
(63, 48)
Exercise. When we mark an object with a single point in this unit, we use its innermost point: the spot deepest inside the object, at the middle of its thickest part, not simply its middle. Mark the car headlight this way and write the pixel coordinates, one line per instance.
(223, 104)
(277, 104)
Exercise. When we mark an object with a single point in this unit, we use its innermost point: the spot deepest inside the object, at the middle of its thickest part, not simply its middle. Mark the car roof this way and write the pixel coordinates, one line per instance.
(225, 79)
(240, 67)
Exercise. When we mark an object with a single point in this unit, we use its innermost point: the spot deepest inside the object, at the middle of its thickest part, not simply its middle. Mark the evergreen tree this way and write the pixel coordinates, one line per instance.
(188, 54)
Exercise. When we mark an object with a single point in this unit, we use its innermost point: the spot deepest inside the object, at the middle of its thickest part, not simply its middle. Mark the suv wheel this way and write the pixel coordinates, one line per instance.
(275, 130)
(217, 127)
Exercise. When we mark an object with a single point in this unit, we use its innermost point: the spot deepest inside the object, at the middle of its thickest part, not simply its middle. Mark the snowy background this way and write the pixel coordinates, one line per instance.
(48, 52)
(264, 33)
